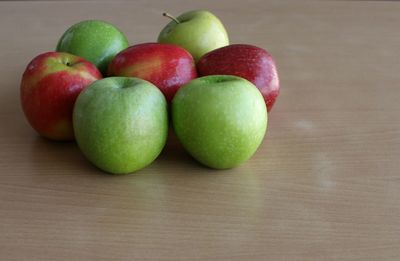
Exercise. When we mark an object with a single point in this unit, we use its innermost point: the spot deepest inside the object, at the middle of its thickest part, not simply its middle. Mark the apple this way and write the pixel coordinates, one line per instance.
(197, 31)
(220, 120)
(121, 123)
(49, 87)
(97, 41)
(167, 66)
(247, 61)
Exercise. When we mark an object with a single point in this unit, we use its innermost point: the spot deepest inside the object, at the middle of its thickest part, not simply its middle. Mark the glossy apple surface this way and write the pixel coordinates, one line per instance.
(247, 61)
(49, 87)
(121, 123)
(96, 41)
(166, 66)
(197, 31)
(220, 120)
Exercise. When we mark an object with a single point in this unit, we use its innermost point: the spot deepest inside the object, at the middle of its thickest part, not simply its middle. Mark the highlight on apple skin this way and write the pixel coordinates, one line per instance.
(250, 62)
(220, 120)
(49, 87)
(121, 123)
(167, 66)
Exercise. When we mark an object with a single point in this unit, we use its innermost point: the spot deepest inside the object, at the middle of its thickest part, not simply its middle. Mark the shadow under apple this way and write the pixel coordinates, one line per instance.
(58, 158)
(176, 160)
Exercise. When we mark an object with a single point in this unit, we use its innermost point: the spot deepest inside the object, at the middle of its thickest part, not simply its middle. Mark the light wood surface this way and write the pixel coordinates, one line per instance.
(325, 184)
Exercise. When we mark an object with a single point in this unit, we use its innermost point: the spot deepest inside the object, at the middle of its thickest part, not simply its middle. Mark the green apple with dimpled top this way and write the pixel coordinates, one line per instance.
(220, 120)
(121, 123)
(96, 41)
(198, 31)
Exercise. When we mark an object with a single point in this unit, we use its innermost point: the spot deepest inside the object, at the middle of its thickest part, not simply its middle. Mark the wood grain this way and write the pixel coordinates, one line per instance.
(325, 184)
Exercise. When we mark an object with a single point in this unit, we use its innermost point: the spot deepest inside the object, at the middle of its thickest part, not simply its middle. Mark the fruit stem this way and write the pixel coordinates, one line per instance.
(171, 17)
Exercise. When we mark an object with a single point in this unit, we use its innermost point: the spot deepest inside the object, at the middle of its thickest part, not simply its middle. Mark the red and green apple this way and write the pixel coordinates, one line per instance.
(167, 66)
(49, 87)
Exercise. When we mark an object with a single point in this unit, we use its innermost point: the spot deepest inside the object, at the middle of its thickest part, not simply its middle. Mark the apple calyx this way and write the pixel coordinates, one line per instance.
(171, 17)
(67, 61)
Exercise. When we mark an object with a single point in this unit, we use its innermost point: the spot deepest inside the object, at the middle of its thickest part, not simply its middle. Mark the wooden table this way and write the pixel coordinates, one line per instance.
(325, 184)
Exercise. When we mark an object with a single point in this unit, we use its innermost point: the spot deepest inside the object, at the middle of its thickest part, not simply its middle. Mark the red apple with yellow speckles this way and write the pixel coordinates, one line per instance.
(49, 87)
(167, 66)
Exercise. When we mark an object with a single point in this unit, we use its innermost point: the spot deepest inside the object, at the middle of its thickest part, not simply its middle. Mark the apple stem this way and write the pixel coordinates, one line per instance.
(171, 17)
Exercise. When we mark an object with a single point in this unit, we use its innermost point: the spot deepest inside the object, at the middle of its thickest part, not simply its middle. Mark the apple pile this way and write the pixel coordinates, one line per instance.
(117, 101)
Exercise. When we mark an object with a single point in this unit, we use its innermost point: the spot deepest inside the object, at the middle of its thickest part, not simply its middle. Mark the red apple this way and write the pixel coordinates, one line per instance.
(165, 65)
(246, 61)
(49, 87)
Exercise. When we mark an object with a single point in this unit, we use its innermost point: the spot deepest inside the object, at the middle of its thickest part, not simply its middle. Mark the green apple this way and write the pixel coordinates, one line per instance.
(96, 41)
(220, 120)
(121, 123)
(197, 31)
